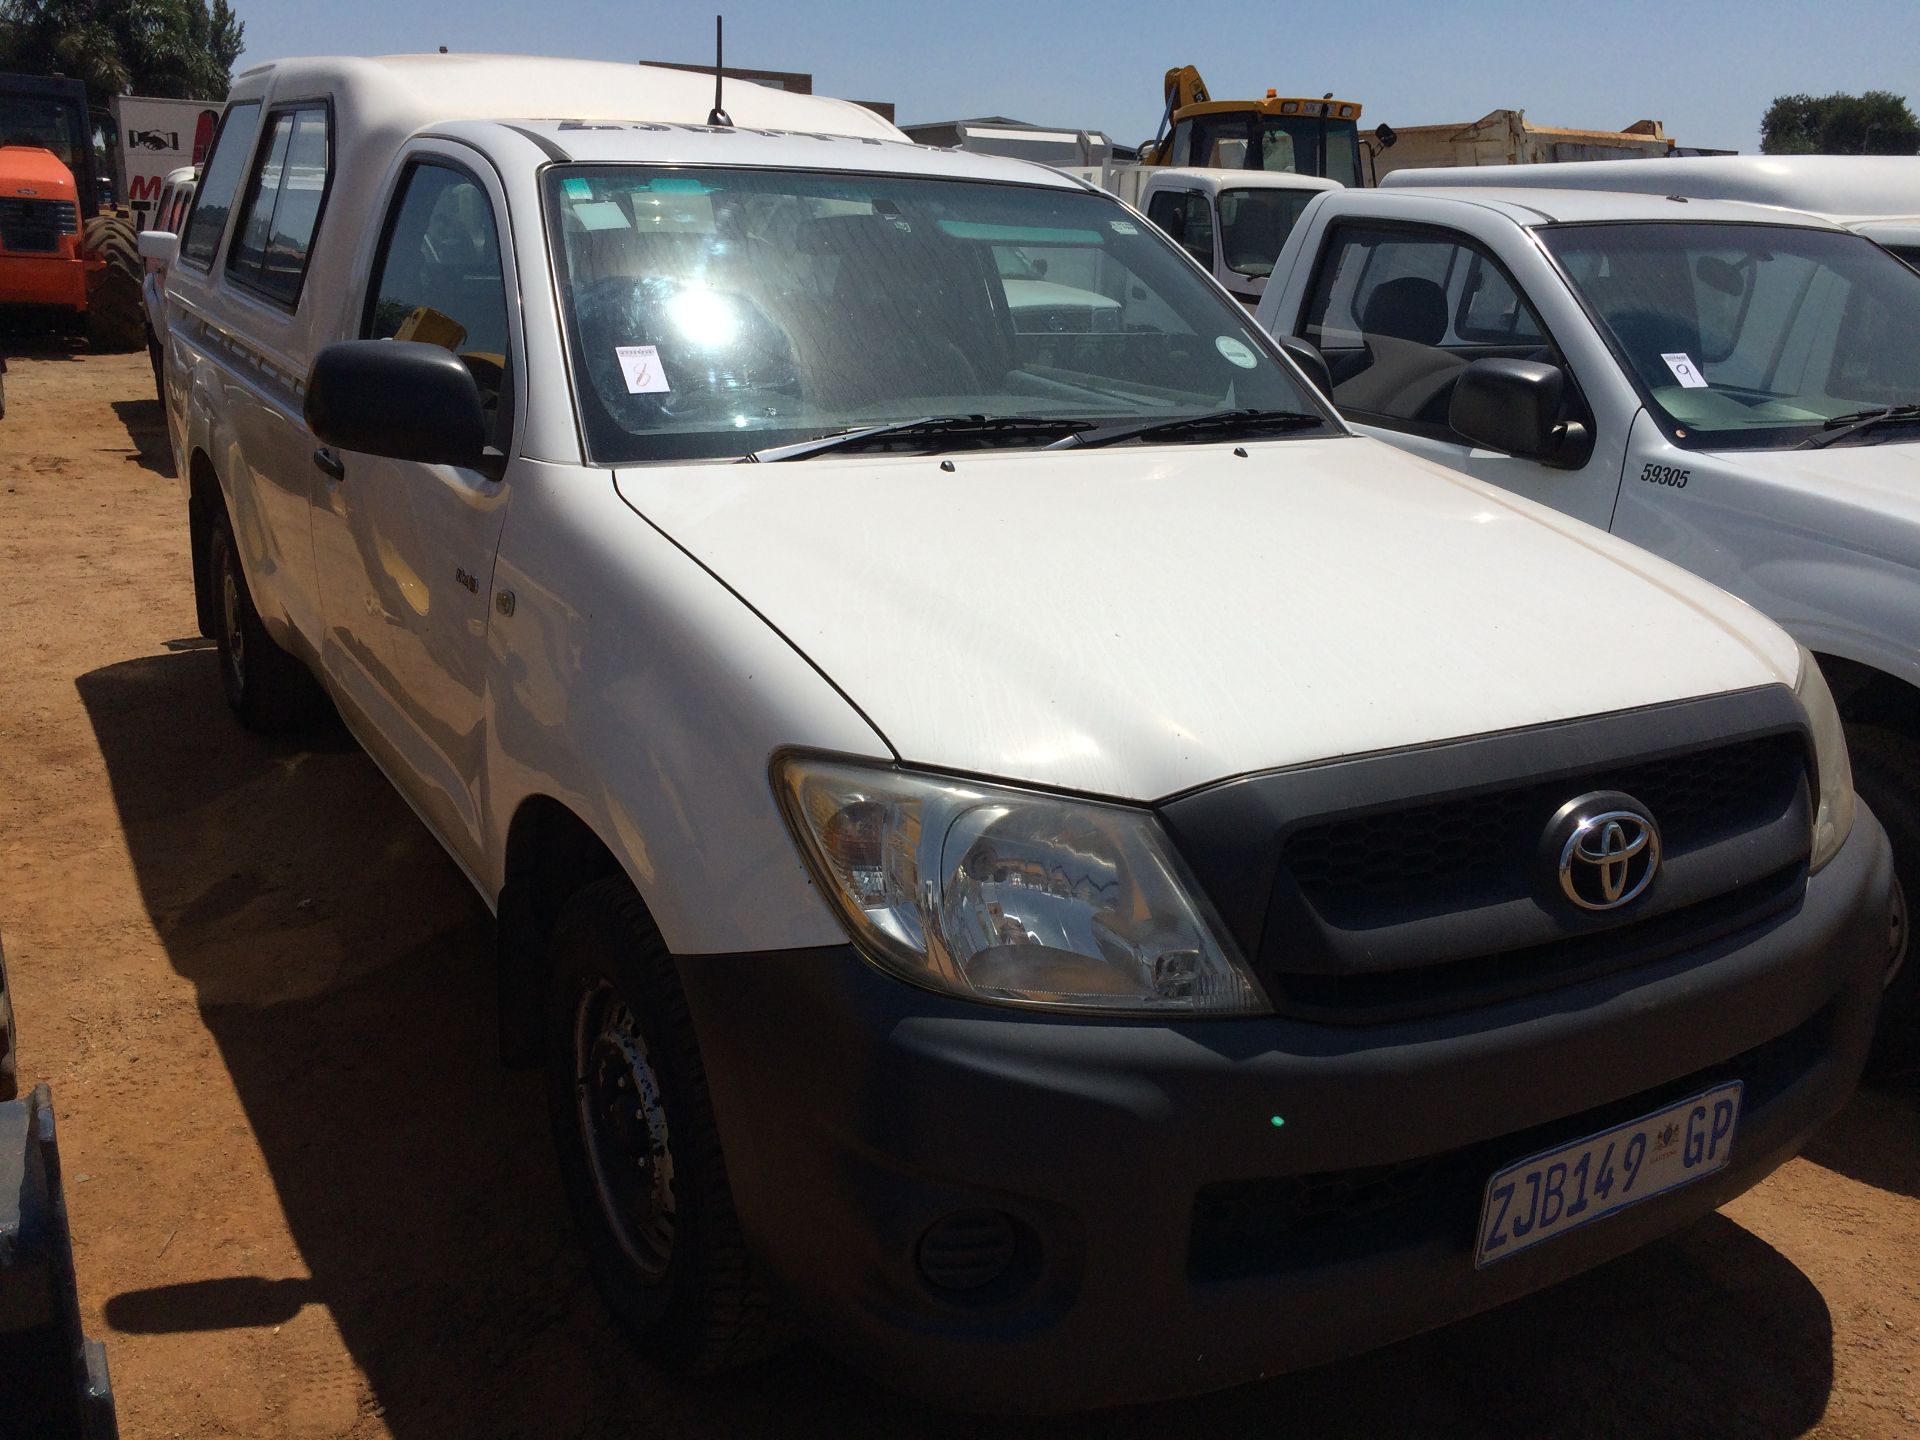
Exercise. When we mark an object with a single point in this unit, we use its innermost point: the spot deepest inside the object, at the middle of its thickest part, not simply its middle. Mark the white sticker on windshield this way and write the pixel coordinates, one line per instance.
(1685, 371)
(1123, 227)
(641, 365)
(600, 215)
(1236, 351)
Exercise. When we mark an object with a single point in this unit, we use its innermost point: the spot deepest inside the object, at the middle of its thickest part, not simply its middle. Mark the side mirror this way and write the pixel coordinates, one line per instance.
(1309, 359)
(402, 399)
(161, 246)
(1384, 136)
(1511, 406)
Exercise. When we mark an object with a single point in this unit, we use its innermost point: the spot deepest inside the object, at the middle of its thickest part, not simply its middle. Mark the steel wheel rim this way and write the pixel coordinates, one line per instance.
(1897, 934)
(623, 1129)
(235, 634)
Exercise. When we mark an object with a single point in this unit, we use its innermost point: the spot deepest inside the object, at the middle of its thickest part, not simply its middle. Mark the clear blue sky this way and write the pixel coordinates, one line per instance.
(1708, 68)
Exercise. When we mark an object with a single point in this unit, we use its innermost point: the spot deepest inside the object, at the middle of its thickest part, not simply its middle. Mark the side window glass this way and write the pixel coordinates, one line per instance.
(1199, 228)
(250, 240)
(1380, 312)
(282, 209)
(438, 279)
(1490, 313)
(213, 201)
(1166, 211)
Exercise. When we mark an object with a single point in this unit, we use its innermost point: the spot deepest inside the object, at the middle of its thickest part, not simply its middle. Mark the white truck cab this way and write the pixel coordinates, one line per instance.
(164, 219)
(1027, 844)
(1233, 222)
(1876, 195)
(1735, 387)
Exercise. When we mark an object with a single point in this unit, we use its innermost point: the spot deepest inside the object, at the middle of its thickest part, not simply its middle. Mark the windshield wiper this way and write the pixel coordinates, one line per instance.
(1218, 425)
(1856, 421)
(985, 428)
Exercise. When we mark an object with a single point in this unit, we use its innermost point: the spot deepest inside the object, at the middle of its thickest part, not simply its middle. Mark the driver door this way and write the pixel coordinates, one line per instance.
(1400, 310)
(405, 550)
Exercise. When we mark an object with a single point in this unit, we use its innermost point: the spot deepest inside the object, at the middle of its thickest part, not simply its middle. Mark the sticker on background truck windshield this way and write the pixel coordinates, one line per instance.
(640, 364)
(1685, 371)
(577, 188)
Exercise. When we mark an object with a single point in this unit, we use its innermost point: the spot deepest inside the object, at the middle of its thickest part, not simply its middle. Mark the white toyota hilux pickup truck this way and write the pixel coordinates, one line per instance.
(1036, 853)
(1735, 387)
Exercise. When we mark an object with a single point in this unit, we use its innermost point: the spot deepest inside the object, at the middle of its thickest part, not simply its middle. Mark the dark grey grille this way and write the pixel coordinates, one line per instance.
(36, 225)
(1413, 882)
(1695, 798)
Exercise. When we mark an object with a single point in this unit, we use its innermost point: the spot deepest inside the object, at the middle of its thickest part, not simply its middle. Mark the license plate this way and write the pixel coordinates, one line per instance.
(1562, 1189)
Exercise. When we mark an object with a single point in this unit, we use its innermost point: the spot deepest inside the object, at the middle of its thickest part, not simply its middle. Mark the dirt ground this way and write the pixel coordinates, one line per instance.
(307, 1202)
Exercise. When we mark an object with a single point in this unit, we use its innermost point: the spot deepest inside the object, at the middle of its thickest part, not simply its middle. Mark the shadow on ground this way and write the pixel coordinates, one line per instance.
(146, 426)
(342, 967)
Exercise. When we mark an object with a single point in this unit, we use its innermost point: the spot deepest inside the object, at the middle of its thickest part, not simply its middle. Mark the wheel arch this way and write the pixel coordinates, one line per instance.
(205, 502)
(1868, 695)
(551, 854)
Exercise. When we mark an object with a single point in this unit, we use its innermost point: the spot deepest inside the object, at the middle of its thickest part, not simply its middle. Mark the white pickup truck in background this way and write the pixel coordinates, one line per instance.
(1233, 222)
(1734, 387)
(1876, 195)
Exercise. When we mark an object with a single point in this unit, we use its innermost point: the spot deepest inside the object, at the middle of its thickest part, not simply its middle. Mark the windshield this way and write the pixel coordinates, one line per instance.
(47, 124)
(715, 312)
(1289, 143)
(1254, 224)
(1749, 336)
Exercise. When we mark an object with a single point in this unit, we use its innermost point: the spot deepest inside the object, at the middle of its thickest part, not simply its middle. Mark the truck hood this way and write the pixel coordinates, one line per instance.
(1880, 475)
(1138, 621)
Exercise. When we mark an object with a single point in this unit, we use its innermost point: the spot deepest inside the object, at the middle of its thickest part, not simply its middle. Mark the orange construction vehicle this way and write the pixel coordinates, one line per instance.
(1299, 134)
(61, 257)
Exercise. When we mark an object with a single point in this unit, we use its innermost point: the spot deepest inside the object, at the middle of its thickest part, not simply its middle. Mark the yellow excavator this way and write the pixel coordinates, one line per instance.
(1301, 134)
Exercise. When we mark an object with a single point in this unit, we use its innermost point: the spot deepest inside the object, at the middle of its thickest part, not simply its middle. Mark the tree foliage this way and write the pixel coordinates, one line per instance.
(1875, 123)
(181, 49)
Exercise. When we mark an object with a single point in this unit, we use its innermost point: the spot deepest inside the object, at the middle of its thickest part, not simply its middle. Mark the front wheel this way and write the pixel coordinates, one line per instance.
(1886, 774)
(638, 1147)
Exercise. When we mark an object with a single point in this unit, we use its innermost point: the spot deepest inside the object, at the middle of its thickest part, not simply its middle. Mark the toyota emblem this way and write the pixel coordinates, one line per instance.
(1607, 849)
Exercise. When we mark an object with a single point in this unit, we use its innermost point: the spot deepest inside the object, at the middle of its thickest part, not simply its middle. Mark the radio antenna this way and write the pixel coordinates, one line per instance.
(718, 116)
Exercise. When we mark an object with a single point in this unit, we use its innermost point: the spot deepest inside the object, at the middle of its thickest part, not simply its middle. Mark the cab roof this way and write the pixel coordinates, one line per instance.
(1213, 181)
(1836, 185)
(1530, 207)
(410, 92)
(653, 142)
(595, 111)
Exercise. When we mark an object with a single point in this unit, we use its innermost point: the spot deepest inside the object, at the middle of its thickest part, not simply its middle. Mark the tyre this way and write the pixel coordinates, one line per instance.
(116, 313)
(1886, 774)
(159, 363)
(639, 1153)
(267, 688)
(9, 1060)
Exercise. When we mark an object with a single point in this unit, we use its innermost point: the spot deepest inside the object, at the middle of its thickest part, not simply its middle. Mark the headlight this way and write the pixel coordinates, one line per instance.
(1011, 896)
(1833, 816)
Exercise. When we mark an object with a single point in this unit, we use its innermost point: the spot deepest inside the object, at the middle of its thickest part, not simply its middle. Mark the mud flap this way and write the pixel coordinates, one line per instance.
(54, 1379)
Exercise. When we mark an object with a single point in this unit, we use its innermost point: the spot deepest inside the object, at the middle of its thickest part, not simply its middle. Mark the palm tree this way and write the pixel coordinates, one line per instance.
(178, 48)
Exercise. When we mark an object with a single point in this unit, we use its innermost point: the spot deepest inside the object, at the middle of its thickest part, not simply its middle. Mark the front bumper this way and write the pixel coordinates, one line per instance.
(1172, 1239)
(59, 281)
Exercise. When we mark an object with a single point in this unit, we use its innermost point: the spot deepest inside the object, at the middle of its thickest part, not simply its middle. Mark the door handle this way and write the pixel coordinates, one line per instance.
(330, 463)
